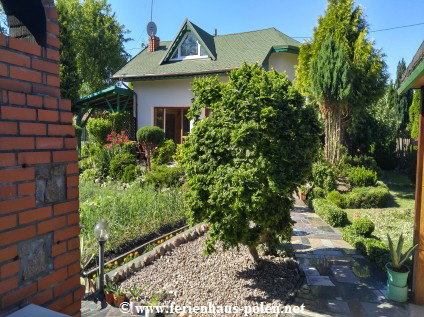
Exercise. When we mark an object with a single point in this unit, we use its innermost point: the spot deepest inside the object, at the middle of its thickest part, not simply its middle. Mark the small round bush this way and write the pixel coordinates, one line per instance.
(130, 174)
(363, 226)
(361, 177)
(150, 135)
(336, 217)
(118, 164)
(165, 152)
(98, 129)
(337, 198)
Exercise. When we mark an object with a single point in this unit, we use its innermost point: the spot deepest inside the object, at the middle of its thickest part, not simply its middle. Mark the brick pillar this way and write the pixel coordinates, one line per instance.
(39, 219)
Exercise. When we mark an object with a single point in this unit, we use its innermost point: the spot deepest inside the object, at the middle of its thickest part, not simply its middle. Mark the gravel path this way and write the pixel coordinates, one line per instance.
(187, 277)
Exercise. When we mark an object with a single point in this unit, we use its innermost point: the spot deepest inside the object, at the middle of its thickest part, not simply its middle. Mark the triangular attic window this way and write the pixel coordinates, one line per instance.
(189, 48)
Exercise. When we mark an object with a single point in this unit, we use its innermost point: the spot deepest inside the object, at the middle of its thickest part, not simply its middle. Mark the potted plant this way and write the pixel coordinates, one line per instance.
(303, 192)
(119, 296)
(154, 301)
(135, 298)
(109, 290)
(398, 272)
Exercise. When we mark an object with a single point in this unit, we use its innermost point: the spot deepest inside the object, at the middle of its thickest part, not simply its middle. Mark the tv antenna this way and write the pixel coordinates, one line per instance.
(151, 26)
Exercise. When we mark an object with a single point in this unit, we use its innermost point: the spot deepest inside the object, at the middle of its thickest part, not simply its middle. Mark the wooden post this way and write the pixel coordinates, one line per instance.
(418, 277)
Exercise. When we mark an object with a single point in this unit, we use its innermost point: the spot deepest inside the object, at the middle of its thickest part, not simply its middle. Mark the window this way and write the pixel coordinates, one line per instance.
(189, 49)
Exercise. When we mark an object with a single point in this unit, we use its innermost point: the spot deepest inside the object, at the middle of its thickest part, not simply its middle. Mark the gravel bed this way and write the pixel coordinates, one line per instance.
(188, 277)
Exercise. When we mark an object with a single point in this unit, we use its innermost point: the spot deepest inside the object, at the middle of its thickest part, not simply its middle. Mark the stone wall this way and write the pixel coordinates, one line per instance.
(39, 220)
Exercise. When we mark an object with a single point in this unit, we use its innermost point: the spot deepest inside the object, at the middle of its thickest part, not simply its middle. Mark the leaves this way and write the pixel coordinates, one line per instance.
(244, 161)
(92, 46)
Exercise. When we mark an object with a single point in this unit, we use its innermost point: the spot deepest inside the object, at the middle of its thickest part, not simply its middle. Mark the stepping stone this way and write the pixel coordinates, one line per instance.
(384, 309)
(327, 243)
(319, 281)
(329, 252)
(344, 274)
(338, 307)
(310, 270)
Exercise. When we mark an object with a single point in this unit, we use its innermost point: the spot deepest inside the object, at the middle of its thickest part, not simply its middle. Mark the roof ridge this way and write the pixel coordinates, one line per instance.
(245, 32)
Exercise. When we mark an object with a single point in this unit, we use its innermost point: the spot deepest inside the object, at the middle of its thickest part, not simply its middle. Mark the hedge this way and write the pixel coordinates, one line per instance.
(328, 211)
(361, 197)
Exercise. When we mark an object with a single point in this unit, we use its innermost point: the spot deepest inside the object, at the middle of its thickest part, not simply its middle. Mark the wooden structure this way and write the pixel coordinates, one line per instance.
(414, 79)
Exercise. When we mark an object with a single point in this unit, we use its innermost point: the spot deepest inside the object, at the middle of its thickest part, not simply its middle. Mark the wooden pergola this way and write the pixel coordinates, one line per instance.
(414, 79)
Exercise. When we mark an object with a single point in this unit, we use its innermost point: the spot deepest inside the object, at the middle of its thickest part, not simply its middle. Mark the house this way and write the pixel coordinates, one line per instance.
(163, 72)
(413, 78)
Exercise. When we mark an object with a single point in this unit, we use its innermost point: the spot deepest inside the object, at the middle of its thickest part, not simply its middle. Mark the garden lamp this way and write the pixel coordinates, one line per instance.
(101, 232)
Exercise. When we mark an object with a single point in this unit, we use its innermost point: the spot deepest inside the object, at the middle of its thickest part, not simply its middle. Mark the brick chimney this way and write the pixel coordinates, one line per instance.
(153, 43)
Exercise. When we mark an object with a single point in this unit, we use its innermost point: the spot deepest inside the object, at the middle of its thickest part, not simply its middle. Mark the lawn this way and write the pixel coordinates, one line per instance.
(398, 217)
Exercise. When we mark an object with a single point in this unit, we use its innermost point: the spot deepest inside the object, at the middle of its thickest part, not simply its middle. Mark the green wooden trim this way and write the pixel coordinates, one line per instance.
(118, 102)
(109, 105)
(409, 82)
(185, 28)
(104, 92)
(126, 104)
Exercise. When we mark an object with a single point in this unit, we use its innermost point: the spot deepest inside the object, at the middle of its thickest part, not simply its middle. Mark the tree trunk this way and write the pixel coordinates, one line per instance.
(333, 134)
(254, 254)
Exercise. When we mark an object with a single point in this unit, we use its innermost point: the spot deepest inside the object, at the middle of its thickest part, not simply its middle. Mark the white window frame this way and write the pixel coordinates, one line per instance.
(181, 58)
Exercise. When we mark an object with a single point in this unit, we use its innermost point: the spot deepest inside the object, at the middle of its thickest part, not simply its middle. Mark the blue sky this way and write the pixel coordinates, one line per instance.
(294, 18)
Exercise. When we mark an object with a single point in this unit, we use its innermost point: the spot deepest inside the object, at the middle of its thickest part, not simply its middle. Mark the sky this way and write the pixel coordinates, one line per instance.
(294, 18)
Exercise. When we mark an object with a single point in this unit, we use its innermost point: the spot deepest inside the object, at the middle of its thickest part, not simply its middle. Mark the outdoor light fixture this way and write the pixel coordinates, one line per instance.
(101, 232)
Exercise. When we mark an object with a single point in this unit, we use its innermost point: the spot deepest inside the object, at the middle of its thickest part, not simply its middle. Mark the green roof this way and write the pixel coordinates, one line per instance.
(225, 51)
(414, 74)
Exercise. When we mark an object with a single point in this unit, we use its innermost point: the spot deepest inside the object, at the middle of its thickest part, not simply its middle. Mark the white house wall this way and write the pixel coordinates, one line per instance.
(177, 92)
(283, 62)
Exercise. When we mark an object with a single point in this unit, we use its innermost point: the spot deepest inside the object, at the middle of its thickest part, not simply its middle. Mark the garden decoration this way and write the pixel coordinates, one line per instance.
(303, 192)
(101, 232)
(398, 272)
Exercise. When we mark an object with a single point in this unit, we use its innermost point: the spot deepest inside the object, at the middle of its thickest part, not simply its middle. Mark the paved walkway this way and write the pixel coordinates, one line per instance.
(339, 281)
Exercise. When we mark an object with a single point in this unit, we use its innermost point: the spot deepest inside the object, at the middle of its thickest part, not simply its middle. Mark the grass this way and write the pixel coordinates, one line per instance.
(132, 212)
(398, 217)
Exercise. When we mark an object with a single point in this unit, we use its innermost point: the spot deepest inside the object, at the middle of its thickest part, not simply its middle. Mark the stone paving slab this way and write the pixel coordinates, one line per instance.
(339, 281)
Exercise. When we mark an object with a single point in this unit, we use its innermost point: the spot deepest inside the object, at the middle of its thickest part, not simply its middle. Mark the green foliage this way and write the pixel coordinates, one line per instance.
(151, 135)
(361, 197)
(164, 153)
(119, 162)
(375, 250)
(396, 255)
(414, 115)
(162, 176)
(130, 173)
(363, 226)
(132, 212)
(318, 192)
(92, 46)
(98, 129)
(245, 160)
(363, 160)
(4, 28)
(99, 158)
(178, 156)
(402, 103)
(324, 175)
(129, 147)
(331, 214)
(119, 121)
(78, 131)
(361, 176)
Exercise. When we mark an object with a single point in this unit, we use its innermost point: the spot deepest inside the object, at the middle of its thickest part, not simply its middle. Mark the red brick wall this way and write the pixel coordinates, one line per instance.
(36, 129)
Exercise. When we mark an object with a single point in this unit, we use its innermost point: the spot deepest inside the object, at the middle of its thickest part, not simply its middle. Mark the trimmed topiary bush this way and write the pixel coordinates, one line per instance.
(332, 214)
(363, 226)
(361, 197)
(150, 137)
(98, 129)
(361, 176)
(164, 153)
(338, 199)
(118, 164)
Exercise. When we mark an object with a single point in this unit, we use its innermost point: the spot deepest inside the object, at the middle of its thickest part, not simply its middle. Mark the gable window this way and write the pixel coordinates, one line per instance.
(189, 48)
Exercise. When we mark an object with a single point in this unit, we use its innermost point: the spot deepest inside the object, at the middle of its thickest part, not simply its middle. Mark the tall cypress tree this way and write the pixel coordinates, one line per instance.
(402, 103)
(367, 69)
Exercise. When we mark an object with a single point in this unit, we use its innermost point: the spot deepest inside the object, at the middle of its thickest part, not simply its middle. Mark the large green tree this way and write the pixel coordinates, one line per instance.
(402, 103)
(414, 114)
(245, 160)
(367, 76)
(92, 46)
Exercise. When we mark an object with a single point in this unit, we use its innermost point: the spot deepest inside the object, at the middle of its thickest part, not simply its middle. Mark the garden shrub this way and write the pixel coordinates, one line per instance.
(78, 131)
(363, 226)
(118, 164)
(130, 173)
(90, 174)
(361, 197)
(361, 176)
(98, 129)
(375, 250)
(332, 214)
(129, 147)
(119, 121)
(363, 160)
(318, 192)
(164, 153)
(324, 175)
(150, 137)
(178, 153)
(162, 176)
